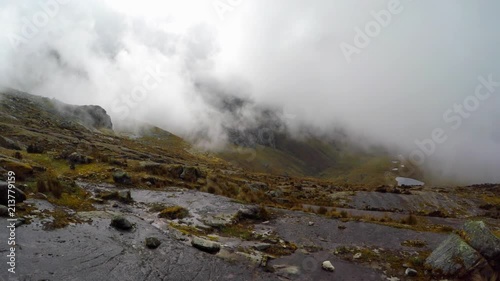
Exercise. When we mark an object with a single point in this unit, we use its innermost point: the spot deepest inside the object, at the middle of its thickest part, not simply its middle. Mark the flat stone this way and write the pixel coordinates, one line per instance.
(205, 245)
(262, 246)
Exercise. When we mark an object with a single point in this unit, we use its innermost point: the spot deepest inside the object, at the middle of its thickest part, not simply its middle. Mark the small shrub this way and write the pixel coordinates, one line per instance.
(53, 186)
(334, 214)
(411, 219)
(264, 214)
(417, 261)
(239, 231)
(414, 243)
(157, 207)
(41, 186)
(174, 212)
(211, 189)
(322, 210)
(344, 214)
(35, 148)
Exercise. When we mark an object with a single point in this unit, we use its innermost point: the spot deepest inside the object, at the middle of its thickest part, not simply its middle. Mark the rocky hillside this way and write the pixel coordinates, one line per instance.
(96, 204)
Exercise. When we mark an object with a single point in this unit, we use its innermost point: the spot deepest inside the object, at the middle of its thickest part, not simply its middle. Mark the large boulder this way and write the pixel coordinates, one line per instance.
(482, 239)
(453, 257)
(4, 192)
(473, 249)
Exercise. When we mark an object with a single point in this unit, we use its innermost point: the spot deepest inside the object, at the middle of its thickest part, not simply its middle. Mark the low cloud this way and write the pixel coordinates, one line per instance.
(185, 68)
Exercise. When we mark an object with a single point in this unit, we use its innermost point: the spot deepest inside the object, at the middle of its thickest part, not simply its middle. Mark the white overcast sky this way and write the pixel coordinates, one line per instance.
(283, 53)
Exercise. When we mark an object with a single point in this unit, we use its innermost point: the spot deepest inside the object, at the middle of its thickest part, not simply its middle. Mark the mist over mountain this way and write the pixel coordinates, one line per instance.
(258, 69)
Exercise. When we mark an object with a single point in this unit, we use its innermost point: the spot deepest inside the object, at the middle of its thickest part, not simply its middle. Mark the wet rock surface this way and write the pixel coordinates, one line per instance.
(97, 252)
(425, 202)
(220, 240)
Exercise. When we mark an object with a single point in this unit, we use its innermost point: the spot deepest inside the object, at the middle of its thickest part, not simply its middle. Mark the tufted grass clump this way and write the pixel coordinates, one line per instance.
(174, 212)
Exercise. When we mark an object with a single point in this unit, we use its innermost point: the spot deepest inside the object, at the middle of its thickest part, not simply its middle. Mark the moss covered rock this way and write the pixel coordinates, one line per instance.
(453, 257)
(205, 245)
(121, 223)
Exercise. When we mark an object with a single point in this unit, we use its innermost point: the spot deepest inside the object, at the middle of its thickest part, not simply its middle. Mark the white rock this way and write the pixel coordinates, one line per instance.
(410, 272)
(327, 265)
(357, 256)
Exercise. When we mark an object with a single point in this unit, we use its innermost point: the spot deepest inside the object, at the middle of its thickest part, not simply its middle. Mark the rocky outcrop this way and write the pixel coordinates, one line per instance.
(77, 158)
(482, 239)
(473, 249)
(91, 116)
(120, 176)
(9, 144)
